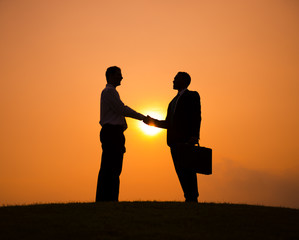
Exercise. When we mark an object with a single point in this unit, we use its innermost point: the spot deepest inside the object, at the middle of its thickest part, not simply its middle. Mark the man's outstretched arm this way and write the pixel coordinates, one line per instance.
(155, 122)
(114, 101)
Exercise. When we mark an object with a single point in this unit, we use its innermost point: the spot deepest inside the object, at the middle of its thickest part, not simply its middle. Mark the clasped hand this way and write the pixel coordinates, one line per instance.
(149, 120)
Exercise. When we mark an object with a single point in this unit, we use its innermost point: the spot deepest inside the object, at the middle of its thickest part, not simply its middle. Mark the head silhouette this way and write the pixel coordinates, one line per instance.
(114, 76)
(181, 81)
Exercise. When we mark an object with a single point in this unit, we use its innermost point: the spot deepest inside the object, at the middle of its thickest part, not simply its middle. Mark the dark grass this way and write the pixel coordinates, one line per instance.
(148, 220)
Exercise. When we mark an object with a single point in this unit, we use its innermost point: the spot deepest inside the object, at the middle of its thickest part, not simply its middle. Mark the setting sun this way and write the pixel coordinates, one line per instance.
(151, 130)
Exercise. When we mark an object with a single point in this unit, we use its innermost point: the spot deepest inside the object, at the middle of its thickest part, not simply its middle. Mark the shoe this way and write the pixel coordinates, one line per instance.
(191, 200)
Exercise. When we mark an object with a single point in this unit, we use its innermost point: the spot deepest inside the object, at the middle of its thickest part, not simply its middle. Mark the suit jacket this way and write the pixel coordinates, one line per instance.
(185, 122)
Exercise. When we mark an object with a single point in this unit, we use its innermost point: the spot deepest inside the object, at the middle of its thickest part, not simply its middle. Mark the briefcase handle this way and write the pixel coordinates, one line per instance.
(195, 144)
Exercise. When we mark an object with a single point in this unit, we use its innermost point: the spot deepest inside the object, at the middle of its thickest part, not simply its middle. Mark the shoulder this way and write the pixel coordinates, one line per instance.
(192, 94)
(109, 91)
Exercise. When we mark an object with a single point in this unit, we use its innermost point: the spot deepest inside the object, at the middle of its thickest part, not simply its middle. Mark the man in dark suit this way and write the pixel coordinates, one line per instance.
(183, 126)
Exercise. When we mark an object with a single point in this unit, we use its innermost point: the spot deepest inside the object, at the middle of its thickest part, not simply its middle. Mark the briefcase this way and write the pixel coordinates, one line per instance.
(197, 158)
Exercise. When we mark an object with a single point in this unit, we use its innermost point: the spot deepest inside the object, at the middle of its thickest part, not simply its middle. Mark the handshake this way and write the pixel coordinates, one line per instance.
(150, 121)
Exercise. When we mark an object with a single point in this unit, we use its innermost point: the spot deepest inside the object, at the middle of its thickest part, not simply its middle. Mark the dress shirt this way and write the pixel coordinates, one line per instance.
(113, 110)
(180, 93)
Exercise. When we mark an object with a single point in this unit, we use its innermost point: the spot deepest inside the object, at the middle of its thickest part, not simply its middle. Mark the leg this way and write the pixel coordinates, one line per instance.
(113, 142)
(187, 177)
(108, 179)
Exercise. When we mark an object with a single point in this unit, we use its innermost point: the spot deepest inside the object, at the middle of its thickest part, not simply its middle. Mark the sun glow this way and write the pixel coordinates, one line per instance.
(151, 130)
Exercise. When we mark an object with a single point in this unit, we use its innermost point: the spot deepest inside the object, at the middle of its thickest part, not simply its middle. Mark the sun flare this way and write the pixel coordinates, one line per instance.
(150, 130)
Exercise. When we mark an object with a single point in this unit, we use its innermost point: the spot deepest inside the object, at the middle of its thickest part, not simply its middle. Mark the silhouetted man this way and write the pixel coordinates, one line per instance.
(112, 119)
(183, 125)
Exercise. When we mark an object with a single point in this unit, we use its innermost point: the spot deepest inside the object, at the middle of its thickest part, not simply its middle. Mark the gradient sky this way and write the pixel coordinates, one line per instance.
(243, 58)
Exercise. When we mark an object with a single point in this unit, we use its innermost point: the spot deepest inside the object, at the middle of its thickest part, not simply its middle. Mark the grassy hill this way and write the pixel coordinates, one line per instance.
(148, 220)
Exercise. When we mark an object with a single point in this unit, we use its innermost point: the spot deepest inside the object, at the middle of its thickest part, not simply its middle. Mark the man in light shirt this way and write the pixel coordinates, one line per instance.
(113, 122)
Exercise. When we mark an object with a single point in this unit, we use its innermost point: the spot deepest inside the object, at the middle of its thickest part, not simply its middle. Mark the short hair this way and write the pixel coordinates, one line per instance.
(110, 71)
(186, 77)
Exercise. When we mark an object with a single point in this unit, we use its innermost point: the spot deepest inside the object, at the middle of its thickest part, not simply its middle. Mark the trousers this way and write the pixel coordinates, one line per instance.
(113, 149)
(187, 177)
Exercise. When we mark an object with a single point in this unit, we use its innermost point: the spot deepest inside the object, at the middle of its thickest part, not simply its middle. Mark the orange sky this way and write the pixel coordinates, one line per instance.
(243, 58)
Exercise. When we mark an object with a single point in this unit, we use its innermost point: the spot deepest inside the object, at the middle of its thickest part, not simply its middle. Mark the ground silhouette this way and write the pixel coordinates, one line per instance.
(148, 220)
